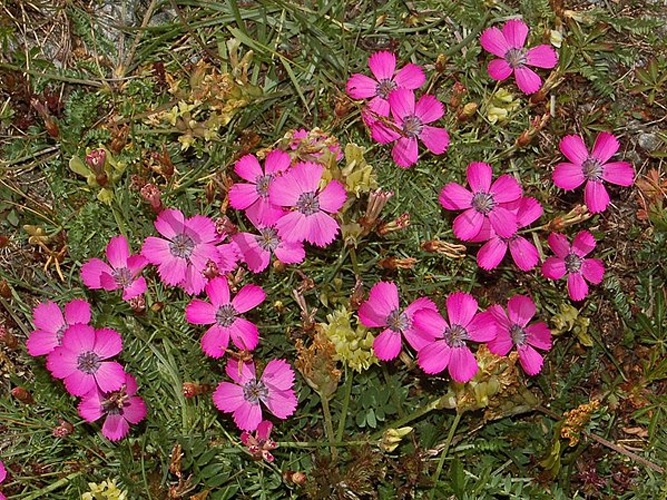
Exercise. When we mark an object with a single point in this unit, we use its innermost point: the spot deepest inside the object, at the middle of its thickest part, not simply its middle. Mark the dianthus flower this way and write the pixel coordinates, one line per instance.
(121, 408)
(410, 124)
(82, 360)
(122, 273)
(569, 261)
(449, 349)
(256, 249)
(253, 197)
(260, 445)
(513, 330)
(311, 205)
(486, 201)
(184, 252)
(223, 313)
(523, 252)
(592, 168)
(382, 310)
(508, 44)
(50, 325)
(243, 397)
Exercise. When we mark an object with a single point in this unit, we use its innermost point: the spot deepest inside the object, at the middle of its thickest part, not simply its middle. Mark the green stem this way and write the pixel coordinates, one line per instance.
(409, 418)
(445, 450)
(346, 404)
(53, 76)
(337, 444)
(53, 486)
(328, 427)
(353, 258)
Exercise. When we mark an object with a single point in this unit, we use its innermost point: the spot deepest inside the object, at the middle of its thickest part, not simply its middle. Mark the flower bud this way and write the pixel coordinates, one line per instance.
(396, 263)
(63, 429)
(442, 247)
(467, 112)
(22, 395)
(8, 338)
(401, 222)
(392, 437)
(96, 160)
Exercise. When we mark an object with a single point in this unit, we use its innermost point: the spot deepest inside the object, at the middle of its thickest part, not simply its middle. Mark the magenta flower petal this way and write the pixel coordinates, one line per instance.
(92, 271)
(461, 308)
(499, 69)
(79, 338)
(434, 357)
(387, 345)
(293, 227)
(244, 334)
(577, 287)
(108, 343)
(382, 301)
(248, 168)
(173, 271)
(382, 133)
(462, 364)
(382, 65)
(468, 224)
(619, 172)
(435, 139)
(118, 252)
(323, 229)
(529, 211)
(40, 343)
(402, 103)
(215, 341)
(48, 316)
(482, 328)
(559, 245)
(554, 268)
(503, 222)
(405, 152)
(493, 40)
(524, 254)
(218, 291)
(361, 86)
(542, 56)
(410, 77)
(583, 243)
(78, 383)
(199, 312)
(278, 375)
(136, 288)
(332, 197)
(527, 80)
(90, 407)
(248, 297)
(505, 189)
(593, 270)
(307, 175)
(241, 196)
(169, 223)
(606, 146)
(574, 149)
(282, 403)
(428, 109)
(156, 250)
(277, 161)
(115, 427)
(531, 360)
(596, 197)
(77, 311)
(515, 32)
(520, 310)
(455, 197)
(109, 377)
(228, 397)
(201, 229)
(568, 176)
(479, 177)
(539, 336)
(491, 254)
(430, 323)
(248, 416)
(290, 253)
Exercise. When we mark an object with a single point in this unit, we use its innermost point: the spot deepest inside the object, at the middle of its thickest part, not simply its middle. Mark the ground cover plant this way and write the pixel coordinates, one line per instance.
(325, 250)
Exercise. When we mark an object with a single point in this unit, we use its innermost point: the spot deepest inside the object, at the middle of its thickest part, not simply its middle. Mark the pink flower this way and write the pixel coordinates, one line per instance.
(256, 249)
(449, 349)
(508, 44)
(570, 261)
(524, 254)
(123, 272)
(183, 255)
(50, 325)
(311, 145)
(381, 310)
(81, 360)
(410, 124)
(592, 168)
(254, 196)
(513, 330)
(311, 205)
(223, 314)
(121, 407)
(486, 202)
(243, 397)
(260, 445)
(3, 476)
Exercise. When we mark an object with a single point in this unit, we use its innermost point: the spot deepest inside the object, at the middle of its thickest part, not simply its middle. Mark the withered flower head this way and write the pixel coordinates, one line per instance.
(317, 364)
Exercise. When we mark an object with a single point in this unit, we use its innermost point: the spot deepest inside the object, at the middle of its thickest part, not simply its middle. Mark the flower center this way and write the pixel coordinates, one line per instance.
(592, 169)
(61, 332)
(384, 87)
(255, 390)
(573, 263)
(122, 276)
(397, 321)
(181, 246)
(518, 334)
(88, 362)
(412, 126)
(115, 401)
(262, 185)
(515, 58)
(226, 315)
(308, 203)
(268, 239)
(455, 336)
(483, 202)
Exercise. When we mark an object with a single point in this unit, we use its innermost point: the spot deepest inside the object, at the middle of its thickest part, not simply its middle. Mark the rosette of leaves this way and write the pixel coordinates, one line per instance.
(101, 170)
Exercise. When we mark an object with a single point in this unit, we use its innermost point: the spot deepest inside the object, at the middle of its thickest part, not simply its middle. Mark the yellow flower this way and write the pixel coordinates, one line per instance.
(106, 490)
(354, 346)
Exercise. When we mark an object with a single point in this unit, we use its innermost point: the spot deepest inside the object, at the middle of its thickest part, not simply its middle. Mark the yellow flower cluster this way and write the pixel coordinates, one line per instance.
(106, 490)
(501, 105)
(354, 346)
